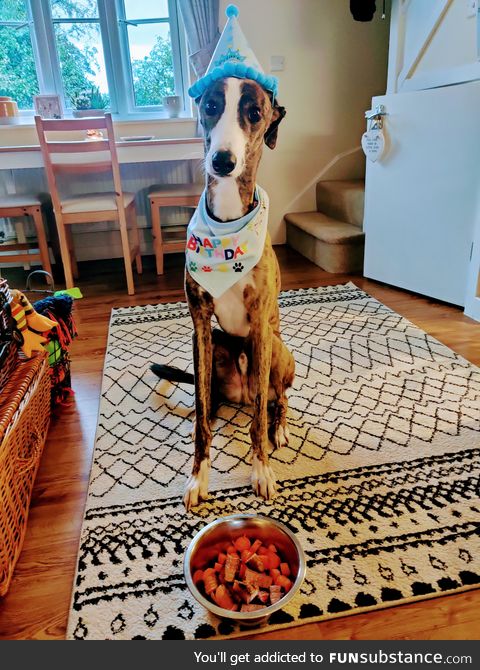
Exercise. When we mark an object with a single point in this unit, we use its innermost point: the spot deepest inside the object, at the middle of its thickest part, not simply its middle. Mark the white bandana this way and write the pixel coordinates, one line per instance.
(218, 253)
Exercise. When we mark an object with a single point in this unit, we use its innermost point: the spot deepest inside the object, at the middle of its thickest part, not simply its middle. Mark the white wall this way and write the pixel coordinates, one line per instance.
(333, 67)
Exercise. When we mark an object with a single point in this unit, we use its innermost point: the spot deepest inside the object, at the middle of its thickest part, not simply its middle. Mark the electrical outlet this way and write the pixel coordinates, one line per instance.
(472, 8)
(277, 63)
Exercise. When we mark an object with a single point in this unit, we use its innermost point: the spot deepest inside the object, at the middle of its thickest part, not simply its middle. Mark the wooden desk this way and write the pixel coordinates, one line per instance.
(145, 151)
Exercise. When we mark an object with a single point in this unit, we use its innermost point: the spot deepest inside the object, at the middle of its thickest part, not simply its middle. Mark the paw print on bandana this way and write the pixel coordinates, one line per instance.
(206, 268)
(237, 267)
(193, 266)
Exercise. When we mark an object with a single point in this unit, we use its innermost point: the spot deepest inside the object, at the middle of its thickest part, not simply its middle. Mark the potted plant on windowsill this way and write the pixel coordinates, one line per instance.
(89, 103)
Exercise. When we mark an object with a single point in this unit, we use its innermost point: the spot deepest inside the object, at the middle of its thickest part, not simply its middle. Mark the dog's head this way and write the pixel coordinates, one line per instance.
(237, 116)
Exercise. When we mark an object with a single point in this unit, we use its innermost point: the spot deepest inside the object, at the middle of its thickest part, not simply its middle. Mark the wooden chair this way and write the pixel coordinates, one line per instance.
(170, 195)
(13, 206)
(75, 157)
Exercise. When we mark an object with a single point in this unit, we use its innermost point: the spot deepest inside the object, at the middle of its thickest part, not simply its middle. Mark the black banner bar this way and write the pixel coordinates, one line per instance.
(228, 654)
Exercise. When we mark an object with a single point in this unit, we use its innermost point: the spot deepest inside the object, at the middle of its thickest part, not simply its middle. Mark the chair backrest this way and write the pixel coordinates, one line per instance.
(78, 156)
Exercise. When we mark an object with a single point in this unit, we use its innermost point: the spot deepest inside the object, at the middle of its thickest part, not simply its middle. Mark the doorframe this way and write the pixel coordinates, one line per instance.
(472, 296)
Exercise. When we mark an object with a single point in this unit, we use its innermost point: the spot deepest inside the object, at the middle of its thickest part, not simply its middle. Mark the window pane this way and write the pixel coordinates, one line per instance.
(74, 9)
(152, 63)
(13, 10)
(82, 64)
(18, 77)
(146, 9)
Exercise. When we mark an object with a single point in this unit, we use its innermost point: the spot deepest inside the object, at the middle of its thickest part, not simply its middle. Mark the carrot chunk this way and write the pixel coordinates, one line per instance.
(272, 547)
(274, 573)
(285, 569)
(223, 598)
(222, 557)
(255, 546)
(242, 543)
(284, 582)
(263, 596)
(217, 567)
(197, 576)
(231, 549)
(274, 560)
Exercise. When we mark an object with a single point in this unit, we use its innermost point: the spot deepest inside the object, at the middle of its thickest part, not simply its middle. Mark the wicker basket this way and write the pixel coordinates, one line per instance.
(24, 420)
(5, 314)
(8, 346)
(8, 360)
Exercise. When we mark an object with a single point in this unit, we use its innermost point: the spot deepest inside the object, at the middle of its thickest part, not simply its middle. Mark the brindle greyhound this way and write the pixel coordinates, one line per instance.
(237, 116)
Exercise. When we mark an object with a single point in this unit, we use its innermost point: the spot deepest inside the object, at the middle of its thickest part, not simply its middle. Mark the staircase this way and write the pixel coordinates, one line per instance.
(331, 237)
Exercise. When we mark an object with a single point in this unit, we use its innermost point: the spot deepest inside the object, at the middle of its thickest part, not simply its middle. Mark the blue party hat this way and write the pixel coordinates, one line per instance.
(233, 57)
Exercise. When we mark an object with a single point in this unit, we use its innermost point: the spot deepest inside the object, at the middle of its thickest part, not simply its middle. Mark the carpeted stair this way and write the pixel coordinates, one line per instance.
(331, 237)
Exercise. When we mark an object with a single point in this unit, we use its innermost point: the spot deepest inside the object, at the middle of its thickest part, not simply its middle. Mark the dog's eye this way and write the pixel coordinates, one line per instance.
(211, 108)
(254, 115)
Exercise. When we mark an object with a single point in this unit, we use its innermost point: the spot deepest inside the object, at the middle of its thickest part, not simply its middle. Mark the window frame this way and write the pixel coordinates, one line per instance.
(114, 35)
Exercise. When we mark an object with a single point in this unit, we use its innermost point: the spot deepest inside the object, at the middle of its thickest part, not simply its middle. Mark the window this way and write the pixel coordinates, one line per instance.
(150, 51)
(128, 54)
(18, 77)
(78, 43)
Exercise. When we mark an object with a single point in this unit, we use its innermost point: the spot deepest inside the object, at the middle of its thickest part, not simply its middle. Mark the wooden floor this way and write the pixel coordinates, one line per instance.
(38, 601)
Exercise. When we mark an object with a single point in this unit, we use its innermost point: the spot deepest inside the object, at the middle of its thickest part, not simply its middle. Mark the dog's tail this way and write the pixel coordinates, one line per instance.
(172, 374)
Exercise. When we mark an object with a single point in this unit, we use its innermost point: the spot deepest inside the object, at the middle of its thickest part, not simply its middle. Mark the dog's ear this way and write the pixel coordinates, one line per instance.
(270, 136)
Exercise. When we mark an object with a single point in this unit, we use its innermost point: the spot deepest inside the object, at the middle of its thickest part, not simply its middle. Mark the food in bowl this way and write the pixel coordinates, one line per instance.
(244, 567)
(247, 576)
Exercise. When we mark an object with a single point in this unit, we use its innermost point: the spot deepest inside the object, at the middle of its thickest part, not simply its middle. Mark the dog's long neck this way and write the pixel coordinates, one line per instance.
(228, 198)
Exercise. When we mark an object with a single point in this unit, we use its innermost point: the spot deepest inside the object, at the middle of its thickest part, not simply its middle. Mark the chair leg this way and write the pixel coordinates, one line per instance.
(22, 238)
(132, 215)
(64, 251)
(122, 220)
(71, 249)
(42, 240)
(157, 237)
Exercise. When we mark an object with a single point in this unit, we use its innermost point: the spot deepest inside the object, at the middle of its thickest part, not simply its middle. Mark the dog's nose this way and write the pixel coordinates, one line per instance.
(223, 162)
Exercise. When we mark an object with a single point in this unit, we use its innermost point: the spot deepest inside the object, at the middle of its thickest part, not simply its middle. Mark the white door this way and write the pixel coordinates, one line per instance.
(421, 198)
(433, 43)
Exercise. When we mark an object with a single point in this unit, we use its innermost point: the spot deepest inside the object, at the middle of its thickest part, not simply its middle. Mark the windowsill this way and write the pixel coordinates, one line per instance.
(144, 119)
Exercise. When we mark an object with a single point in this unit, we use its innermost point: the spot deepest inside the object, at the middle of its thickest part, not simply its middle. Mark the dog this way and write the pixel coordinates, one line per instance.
(233, 381)
(249, 362)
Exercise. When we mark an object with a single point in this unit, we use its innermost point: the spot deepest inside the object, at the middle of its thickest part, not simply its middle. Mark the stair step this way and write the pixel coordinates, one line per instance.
(336, 246)
(343, 200)
(326, 228)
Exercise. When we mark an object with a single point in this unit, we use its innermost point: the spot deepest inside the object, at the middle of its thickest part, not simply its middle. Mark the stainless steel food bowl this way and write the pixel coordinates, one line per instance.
(209, 541)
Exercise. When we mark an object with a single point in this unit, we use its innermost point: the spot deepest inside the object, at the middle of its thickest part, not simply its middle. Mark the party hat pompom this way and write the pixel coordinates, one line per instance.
(232, 10)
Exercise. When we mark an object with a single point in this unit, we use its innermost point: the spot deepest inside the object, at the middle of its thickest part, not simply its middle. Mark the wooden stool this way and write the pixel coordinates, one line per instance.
(25, 205)
(170, 195)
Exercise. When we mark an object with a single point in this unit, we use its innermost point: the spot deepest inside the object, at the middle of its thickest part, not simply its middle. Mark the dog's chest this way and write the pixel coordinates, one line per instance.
(230, 310)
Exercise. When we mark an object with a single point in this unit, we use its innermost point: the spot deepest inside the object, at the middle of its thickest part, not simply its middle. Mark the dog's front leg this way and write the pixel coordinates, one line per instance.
(263, 479)
(197, 484)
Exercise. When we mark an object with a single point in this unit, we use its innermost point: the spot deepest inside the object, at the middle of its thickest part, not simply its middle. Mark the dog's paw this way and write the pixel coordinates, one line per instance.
(263, 479)
(196, 489)
(280, 436)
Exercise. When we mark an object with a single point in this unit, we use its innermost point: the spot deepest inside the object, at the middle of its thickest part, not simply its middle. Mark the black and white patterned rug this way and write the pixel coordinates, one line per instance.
(380, 479)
